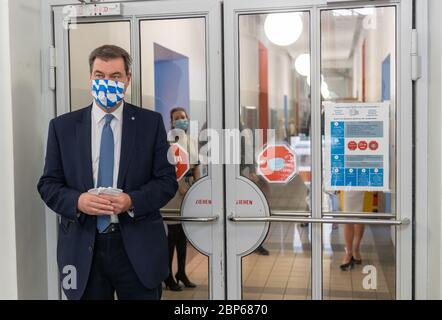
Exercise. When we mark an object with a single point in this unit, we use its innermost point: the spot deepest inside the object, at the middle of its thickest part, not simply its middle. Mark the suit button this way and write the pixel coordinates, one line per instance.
(91, 248)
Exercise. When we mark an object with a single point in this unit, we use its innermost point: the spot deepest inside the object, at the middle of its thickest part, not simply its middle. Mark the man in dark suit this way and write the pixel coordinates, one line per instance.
(109, 244)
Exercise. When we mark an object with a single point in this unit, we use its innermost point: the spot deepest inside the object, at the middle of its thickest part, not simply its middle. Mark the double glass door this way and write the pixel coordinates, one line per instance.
(298, 182)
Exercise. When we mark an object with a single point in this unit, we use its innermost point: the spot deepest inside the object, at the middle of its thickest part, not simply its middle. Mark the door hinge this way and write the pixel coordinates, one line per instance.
(415, 58)
(52, 66)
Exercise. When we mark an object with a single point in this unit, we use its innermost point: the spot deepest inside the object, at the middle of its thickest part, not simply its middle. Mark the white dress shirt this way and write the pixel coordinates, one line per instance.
(97, 124)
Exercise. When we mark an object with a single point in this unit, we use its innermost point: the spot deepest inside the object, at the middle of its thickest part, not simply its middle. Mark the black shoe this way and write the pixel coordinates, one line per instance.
(347, 266)
(262, 251)
(357, 261)
(172, 285)
(183, 278)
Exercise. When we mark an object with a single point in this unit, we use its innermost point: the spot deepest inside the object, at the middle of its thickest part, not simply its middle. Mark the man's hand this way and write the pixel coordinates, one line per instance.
(121, 203)
(94, 205)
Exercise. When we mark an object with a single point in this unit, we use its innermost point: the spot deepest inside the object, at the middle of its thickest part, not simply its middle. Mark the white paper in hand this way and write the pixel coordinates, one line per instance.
(102, 190)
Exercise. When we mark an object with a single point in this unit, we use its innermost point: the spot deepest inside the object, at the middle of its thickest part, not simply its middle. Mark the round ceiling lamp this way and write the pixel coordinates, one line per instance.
(283, 29)
(302, 64)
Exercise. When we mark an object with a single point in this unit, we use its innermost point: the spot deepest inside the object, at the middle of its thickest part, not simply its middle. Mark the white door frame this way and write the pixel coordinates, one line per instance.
(421, 258)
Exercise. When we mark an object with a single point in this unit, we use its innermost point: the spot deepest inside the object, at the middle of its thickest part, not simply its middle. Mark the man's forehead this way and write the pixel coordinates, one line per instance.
(113, 65)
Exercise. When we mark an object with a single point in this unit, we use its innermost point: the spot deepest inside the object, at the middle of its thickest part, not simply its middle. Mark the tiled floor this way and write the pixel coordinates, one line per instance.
(197, 271)
(285, 274)
(377, 251)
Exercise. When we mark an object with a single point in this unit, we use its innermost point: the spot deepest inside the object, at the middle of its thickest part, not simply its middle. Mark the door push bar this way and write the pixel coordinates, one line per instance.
(189, 219)
(340, 214)
(276, 218)
(174, 217)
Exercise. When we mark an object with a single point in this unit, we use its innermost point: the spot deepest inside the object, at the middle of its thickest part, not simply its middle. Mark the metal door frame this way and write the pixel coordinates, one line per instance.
(58, 102)
(404, 139)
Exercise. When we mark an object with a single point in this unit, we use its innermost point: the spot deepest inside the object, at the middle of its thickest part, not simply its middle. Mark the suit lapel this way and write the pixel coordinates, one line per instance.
(83, 134)
(128, 135)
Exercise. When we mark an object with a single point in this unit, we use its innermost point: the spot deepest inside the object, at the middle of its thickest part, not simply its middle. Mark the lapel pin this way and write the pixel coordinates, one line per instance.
(133, 118)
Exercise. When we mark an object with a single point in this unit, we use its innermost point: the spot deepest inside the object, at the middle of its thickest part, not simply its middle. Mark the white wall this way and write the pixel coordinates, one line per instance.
(249, 70)
(434, 153)
(28, 150)
(188, 38)
(22, 230)
(380, 35)
(8, 265)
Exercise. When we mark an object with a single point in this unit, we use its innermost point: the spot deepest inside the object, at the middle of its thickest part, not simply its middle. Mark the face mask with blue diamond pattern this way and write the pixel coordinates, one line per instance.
(107, 93)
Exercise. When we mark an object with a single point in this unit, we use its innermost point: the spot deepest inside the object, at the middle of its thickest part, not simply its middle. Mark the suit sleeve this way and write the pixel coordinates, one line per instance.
(155, 194)
(52, 185)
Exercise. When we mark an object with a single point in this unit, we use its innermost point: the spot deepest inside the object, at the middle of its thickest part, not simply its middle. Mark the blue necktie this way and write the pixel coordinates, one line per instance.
(106, 166)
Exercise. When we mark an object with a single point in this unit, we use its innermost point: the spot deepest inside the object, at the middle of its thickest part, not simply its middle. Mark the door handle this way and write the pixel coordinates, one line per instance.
(340, 214)
(354, 214)
(291, 213)
(175, 217)
(189, 219)
(276, 218)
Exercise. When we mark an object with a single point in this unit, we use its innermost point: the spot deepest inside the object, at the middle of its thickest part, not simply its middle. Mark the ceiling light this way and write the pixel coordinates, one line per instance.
(302, 64)
(283, 29)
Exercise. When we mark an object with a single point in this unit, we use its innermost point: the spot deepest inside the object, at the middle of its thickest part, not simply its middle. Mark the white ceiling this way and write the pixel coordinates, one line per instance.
(339, 35)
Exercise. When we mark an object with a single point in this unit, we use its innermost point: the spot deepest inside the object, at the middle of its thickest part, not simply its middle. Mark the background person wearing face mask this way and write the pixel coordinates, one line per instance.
(176, 238)
(114, 244)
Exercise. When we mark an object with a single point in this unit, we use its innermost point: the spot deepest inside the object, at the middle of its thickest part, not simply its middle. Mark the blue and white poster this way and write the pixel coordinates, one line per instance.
(357, 146)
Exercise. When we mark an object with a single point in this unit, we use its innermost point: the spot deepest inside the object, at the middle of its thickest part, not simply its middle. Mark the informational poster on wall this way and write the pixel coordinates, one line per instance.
(357, 146)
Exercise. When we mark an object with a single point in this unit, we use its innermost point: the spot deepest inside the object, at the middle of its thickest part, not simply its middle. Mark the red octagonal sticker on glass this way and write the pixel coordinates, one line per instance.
(277, 164)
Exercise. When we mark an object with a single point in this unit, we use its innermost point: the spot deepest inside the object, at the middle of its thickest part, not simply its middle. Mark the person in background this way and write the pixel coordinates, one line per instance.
(176, 236)
(249, 170)
(354, 201)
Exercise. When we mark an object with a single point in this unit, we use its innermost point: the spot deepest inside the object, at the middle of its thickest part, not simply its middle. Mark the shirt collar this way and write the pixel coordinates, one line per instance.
(98, 113)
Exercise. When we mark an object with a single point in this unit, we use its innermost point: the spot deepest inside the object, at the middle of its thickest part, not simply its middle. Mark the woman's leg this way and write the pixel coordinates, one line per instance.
(181, 250)
(358, 234)
(171, 240)
(349, 232)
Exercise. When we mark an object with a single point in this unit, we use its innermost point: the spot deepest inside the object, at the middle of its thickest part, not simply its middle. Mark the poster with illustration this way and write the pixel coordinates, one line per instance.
(357, 146)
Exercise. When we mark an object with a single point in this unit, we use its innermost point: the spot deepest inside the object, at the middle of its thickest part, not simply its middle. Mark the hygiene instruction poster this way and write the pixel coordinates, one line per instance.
(357, 146)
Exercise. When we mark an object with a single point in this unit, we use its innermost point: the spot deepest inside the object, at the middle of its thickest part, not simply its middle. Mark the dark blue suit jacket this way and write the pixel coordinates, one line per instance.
(145, 174)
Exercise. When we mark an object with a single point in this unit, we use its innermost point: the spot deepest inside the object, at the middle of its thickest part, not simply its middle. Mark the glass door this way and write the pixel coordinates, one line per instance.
(319, 198)
(300, 185)
(176, 51)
